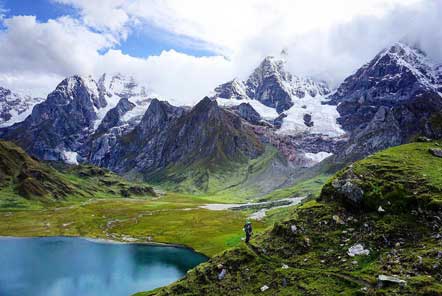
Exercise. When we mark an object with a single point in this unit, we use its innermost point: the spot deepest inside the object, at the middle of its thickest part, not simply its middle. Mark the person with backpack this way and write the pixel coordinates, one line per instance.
(248, 230)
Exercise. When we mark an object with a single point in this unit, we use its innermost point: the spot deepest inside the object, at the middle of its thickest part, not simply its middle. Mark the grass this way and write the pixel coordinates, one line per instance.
(308, 188)
(172, 218)
(228, 181)
(399, 178)
(404, 241)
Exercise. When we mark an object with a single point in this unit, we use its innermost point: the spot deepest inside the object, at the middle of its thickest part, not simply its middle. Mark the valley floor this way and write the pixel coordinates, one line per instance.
(171, 218)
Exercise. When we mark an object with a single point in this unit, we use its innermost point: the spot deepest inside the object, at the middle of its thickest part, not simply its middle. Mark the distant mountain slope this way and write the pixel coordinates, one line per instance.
(185, 144)
(116, 123)
(396, 75)
(30, 178)
(24, 181)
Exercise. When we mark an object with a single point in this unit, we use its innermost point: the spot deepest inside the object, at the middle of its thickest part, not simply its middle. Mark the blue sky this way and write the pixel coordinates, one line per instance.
(143, 41)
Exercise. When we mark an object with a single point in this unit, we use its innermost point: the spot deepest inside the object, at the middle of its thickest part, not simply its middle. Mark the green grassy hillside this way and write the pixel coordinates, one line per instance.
(227, 180)
(27, 183)
(388, 203)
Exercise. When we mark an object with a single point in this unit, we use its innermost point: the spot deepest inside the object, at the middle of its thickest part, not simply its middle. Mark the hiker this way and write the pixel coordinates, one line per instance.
(248, 230)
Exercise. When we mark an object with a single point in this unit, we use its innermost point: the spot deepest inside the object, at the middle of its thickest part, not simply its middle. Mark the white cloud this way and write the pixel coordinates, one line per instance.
(104, 15)
(58, 46)
(226, 25)
(36, 56)
(183, 78)
(326, 39)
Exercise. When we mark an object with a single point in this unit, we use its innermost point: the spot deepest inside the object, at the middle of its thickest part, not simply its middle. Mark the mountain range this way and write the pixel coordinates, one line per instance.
(272, 126)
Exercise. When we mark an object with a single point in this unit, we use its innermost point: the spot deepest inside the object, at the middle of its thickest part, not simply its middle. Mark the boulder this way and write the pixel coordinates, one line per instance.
(423, 139)
(264, 288)
(349, 190)
(384, 280)
(222, 274)
(435, 152)
(357, 249)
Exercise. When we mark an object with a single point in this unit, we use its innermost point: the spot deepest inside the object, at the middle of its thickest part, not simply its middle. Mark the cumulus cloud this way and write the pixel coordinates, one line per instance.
(36, 56)
(325, 39)
(104, 15)
(176, 76)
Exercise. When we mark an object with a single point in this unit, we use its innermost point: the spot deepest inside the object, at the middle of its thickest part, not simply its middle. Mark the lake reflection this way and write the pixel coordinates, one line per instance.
(74, 266)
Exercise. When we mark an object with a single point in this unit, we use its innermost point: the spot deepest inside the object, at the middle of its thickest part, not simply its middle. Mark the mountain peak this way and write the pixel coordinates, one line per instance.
(396, 73)
(272, 66)
(407, 56)
(205, 105)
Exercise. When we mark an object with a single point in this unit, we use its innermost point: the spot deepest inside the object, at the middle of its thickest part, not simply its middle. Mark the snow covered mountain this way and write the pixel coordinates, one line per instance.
(391, 99)
(117, 87)
(394, 76)
(111, 122)
(58, 127)
(274, 92)
(14, 107)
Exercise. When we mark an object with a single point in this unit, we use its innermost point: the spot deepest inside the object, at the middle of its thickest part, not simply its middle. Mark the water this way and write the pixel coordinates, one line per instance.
(75, 266)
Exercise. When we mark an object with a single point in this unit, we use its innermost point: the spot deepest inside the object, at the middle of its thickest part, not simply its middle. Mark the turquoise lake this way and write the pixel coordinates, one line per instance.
(75, 266)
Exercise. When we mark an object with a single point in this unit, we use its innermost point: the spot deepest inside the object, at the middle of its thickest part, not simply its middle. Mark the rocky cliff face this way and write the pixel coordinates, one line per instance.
(175, 136)
(390, 100)
(59, 127)
(61, 123)
(395, 76)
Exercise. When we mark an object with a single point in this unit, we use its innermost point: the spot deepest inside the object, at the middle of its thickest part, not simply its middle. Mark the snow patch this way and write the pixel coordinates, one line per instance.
(112, 101)
(116, 87)
(91, 85)
(264, 111)
(317, 157)
(323, 116)
(17, 117)
(70, 157)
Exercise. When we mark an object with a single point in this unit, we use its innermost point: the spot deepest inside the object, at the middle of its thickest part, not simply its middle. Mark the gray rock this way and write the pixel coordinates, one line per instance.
(384, 280)
(222, 274)
(308, 120)
(435, 152)
(246, 111)
(277, 122)
(423, 139)
(347, 189)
